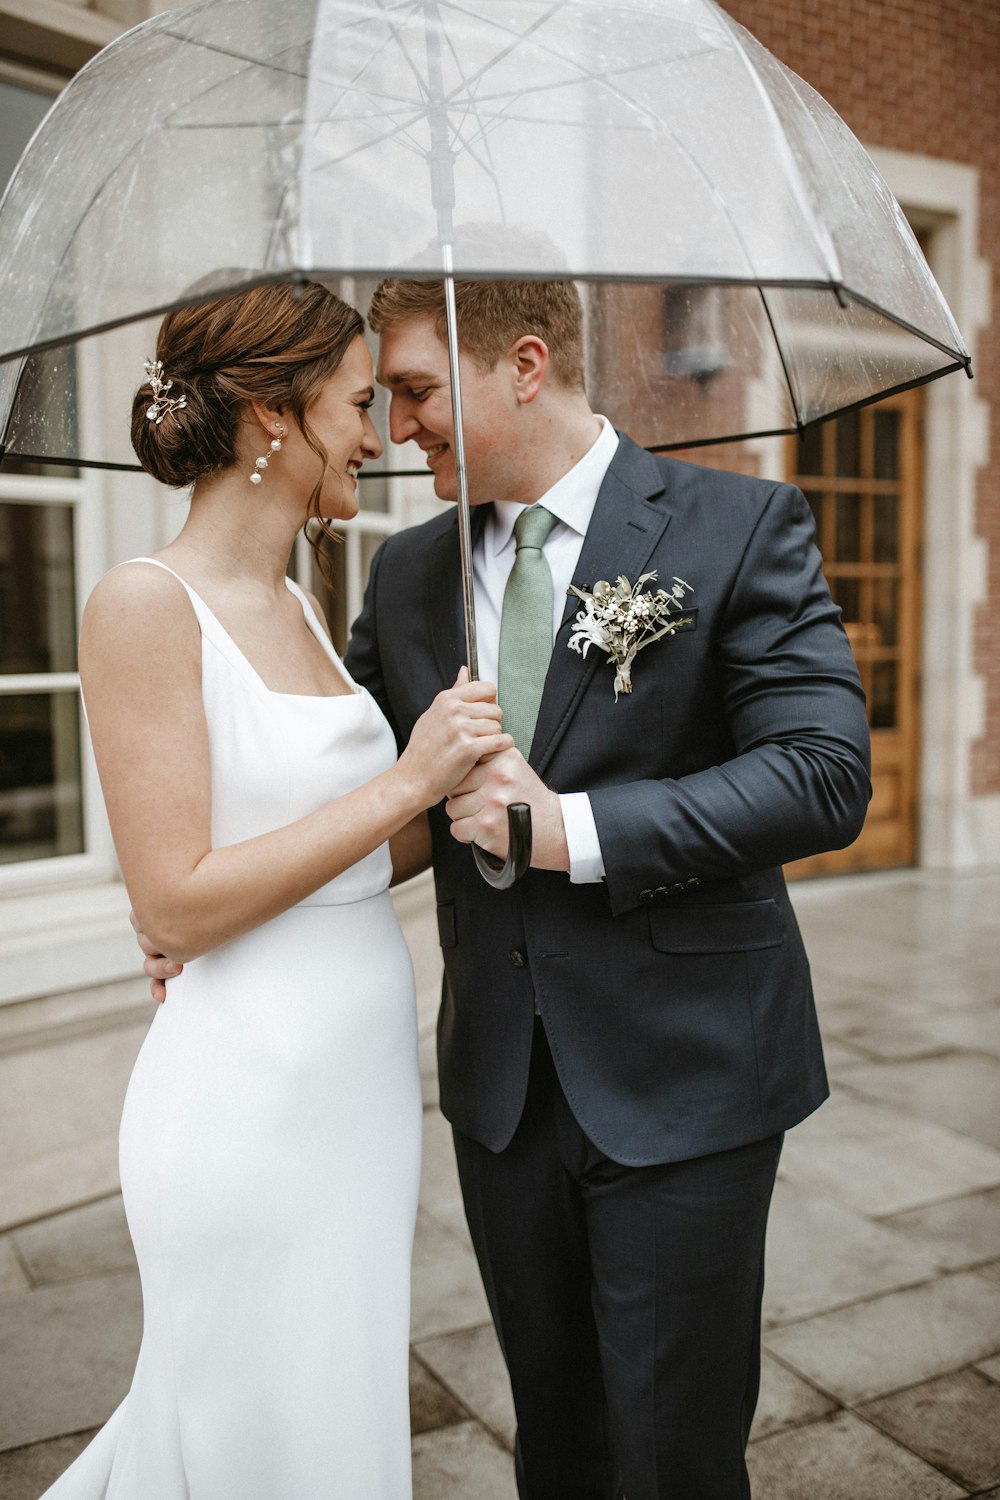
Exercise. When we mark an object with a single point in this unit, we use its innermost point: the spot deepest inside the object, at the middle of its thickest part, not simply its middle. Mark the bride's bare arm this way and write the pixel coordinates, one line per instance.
(411, 849)
(140, 655)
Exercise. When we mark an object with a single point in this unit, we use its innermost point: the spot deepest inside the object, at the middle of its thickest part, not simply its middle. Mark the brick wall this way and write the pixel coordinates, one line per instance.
(920, 76)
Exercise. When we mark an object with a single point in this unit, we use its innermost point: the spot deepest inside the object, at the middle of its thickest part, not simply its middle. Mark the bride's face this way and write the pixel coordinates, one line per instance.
(338, 418)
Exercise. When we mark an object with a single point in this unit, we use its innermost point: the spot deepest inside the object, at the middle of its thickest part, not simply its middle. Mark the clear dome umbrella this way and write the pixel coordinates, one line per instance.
(745, 268)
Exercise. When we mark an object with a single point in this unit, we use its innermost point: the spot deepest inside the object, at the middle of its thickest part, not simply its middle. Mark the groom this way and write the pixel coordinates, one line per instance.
(625, 1034)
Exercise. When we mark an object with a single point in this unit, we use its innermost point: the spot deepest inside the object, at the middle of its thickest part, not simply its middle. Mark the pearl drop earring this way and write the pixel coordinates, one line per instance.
(261, 463)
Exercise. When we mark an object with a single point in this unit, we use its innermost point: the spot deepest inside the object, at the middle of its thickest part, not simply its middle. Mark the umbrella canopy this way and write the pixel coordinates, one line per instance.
(636, 142)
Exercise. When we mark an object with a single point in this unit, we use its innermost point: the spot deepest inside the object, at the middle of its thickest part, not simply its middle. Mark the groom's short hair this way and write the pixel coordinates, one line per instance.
(493, 314)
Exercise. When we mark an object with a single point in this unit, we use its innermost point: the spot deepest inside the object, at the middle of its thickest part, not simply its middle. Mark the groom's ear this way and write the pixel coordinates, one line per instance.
(529, 356)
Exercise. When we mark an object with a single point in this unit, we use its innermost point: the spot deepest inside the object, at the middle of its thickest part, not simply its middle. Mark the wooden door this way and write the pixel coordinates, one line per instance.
(862, 477)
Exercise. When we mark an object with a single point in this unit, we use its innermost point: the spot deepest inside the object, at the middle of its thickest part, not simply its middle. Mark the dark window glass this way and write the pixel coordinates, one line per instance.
(886, 543)
(41, 810)
(815, 500)
(849, 445)
(37, 593)
(886, 444)
(809, 453)
(847, 543)
(885, 611)
(847, 593)
(882, 702)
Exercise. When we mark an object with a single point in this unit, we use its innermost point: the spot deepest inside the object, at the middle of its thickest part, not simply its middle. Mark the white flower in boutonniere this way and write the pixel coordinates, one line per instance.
(622, 620)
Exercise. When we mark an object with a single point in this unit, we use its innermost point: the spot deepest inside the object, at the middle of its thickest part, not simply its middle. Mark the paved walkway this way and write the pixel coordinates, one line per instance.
(882, 1339)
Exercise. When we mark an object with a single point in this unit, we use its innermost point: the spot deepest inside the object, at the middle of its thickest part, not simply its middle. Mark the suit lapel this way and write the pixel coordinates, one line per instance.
(445, 613)
(628, 521)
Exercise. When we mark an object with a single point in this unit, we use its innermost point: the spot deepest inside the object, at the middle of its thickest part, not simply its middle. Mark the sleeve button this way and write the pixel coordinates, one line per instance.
(645, 895)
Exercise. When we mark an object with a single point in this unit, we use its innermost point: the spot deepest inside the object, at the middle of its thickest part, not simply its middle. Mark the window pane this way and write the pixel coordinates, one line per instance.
(44, 419)
(849, 445)
(882, 703)
(37, 592)
(886, 547)
(847, 593)
(809, 452)
(21, 112)
(815, 499)
(886, 444)
(41, 811)
(848, 529)
(885, 611)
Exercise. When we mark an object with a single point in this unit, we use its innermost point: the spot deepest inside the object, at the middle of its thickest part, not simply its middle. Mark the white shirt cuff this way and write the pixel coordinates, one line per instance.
(586, 862)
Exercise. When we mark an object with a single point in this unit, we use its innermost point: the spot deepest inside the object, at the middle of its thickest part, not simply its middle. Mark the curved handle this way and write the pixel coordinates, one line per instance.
(502, 873)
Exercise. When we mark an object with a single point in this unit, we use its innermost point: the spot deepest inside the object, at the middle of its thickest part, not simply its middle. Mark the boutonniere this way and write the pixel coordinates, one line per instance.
(622, 620)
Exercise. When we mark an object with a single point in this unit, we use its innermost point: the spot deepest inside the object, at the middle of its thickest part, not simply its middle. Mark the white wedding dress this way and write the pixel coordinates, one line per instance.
(270, 1153)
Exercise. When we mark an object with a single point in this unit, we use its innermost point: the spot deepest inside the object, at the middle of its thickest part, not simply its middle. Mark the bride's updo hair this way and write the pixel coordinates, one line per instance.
(276, 344)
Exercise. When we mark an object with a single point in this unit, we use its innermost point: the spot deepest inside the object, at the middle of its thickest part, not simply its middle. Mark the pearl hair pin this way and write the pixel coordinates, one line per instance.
(162, 404)
(261, 463)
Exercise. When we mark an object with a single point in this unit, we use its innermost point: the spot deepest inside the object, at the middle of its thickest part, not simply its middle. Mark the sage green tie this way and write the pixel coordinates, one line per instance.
(526, 628)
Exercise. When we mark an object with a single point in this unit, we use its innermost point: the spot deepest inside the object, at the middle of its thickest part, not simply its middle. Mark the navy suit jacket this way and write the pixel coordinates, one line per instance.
(675, 993)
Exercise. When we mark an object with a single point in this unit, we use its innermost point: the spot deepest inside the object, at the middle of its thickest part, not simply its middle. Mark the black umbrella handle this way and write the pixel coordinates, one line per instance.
(502, 873)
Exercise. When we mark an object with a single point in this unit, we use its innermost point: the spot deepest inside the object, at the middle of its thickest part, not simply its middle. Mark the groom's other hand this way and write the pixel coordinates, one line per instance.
(478, 810)
(156, 967)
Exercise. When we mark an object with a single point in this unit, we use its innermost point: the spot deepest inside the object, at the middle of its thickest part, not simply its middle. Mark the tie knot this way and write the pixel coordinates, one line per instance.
(533, 526)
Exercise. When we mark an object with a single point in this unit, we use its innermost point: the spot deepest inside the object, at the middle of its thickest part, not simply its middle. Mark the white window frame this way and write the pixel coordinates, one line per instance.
(81, 493)
(97, 859)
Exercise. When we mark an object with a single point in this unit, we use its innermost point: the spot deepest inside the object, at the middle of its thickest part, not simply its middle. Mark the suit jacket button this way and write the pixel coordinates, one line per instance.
(517, 958)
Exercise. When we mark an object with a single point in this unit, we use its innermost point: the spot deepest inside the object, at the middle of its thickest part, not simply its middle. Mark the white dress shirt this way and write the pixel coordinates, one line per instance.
(571, 500)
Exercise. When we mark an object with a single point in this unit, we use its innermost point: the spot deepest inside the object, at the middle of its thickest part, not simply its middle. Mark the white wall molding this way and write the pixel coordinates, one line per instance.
(941, 199)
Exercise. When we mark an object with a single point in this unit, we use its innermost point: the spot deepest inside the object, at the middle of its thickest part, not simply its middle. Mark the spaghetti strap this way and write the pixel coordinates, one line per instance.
(154, 562)
(213, 630)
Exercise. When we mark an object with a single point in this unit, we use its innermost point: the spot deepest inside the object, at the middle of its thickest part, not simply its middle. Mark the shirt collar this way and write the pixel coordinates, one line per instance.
(571, 499)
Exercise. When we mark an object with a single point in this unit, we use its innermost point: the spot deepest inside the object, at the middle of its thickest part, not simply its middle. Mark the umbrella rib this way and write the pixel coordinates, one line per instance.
(960, 354)
(488, 167)
(823, 238)
(234, 55)
(516, 41)
(784, 363)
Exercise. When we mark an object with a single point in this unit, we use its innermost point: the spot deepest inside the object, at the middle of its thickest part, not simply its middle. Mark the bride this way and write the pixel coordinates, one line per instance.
(270, 1140)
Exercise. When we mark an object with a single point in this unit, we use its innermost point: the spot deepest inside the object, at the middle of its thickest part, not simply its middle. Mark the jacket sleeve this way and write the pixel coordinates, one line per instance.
(363, 659)
(798, 782)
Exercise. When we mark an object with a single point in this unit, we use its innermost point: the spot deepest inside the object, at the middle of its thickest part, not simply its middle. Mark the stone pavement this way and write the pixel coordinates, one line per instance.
(882, 1312)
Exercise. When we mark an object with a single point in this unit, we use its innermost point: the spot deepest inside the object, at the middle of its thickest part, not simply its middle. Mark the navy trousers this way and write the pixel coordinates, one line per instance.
(627, 1303)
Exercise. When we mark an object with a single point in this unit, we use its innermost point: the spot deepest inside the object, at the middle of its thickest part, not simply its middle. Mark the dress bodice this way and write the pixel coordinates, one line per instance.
(276, 757)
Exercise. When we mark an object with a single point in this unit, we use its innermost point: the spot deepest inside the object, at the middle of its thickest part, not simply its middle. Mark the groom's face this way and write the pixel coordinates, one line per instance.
(413, 366)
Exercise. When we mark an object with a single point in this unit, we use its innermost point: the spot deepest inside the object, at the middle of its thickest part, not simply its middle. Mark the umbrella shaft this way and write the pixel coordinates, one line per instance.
(464, 525)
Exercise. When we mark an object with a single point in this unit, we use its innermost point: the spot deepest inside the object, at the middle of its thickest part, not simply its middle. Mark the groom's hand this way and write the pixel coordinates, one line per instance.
(478, 810)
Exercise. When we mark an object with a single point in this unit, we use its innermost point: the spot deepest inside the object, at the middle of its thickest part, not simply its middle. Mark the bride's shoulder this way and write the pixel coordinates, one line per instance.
(138, 610)
(140, 583)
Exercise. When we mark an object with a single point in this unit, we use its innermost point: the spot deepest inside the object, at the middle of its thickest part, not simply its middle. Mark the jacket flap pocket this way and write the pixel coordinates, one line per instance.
(447, 934)
(733, 928)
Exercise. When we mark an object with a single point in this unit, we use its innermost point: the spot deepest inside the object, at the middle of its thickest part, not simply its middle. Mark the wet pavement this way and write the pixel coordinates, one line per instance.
(881, 1372)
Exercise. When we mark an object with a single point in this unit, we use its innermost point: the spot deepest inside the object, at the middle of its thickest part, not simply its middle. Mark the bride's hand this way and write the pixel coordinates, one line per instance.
(461, 726)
